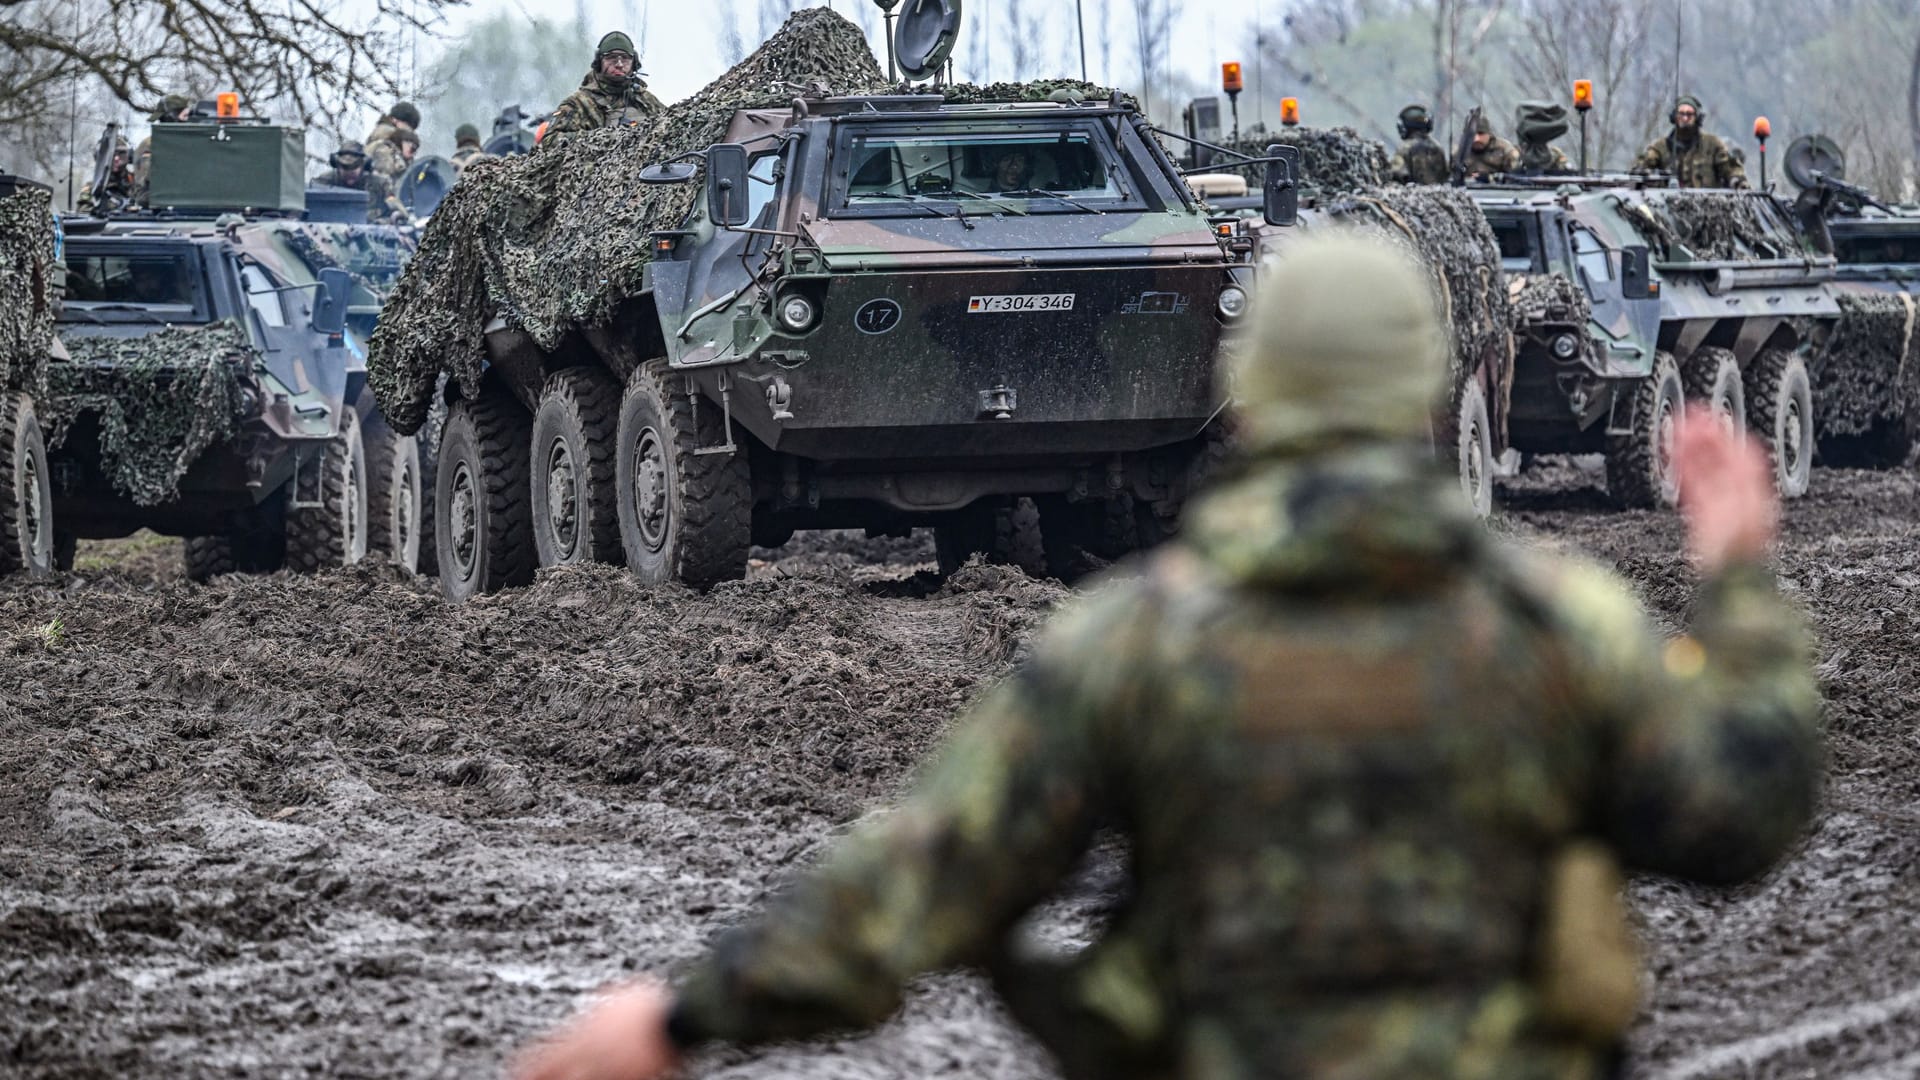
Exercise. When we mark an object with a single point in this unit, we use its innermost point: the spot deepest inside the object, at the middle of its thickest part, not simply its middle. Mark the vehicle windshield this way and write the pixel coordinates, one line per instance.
(1516, 243)
(160, 283)
(1038, 169)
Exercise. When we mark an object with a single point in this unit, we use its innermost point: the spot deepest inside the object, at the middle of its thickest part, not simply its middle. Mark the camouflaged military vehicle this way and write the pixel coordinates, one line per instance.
(888, 310)
(215, 384)
(1627, 301)
(30, 283)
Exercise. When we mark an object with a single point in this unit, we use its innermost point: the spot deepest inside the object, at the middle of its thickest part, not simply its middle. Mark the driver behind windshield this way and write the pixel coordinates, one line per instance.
(1012, 171)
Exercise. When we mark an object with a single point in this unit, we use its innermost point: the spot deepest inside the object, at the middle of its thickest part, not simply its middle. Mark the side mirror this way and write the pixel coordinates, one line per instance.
(727, 184)
(330, 305)
(1282, 188)
(673, 172)
(1636, 274)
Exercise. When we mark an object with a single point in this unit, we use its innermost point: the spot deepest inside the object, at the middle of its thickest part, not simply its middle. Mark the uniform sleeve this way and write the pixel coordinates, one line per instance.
(1653, 158)
(999, 819)
(566, 117)
(1709, 743)
(1732, 174)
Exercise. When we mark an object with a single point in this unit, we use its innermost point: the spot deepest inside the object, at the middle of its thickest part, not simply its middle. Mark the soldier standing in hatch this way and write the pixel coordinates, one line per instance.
(1380, 771)
(1536, 124)
(1695, 158)
(173, 109)
(1491, 154)
(349, 170)
(1419, 159)
(466, 140)
(382, 151)
(612, 94)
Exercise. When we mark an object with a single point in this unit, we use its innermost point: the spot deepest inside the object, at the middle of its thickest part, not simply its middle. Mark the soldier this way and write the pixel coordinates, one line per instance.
(1419, 159)
(466, 140)
(612, 94)
(381, 149)
(118, 186)
(1536, 124)
(173, 109)
(349, 170)
(1695, 158)
(1491, 155)
(1379, 769)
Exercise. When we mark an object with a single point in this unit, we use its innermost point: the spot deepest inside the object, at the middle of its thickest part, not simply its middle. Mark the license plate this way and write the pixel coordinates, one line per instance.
(993, 305)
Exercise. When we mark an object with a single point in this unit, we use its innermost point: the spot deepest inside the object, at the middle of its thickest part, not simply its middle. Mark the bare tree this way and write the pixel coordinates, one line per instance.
(1607, 41)
(1026, 38)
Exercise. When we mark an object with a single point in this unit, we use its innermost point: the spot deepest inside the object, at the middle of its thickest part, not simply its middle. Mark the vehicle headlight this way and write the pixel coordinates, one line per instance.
(1233, 302)
(1565, 346)
(796, 313)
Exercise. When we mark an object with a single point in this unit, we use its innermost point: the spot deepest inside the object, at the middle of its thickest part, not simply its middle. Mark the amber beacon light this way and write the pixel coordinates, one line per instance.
(227, 106)
(1290, 111)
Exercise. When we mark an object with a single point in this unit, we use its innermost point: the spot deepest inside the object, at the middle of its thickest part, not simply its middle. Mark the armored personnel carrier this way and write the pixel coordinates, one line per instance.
(30, 283)
(888, 310)
(215, 388)
(1629, 300)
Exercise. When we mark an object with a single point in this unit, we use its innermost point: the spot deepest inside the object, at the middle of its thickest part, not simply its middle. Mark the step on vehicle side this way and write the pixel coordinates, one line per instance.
(1606, 363)
(31, 280)
(220, 289)
(887, 312)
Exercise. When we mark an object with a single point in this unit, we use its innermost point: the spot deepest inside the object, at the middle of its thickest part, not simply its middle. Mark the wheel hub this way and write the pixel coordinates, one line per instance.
(650, 489)
(353, 490)
(403, 524)
(563, 497)
(33, 527)
(464, 526)
(1790, 439)
(1475, 470)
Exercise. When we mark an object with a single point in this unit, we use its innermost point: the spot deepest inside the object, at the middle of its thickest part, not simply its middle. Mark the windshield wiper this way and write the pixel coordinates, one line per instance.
(91, 311)
(1029, 193)
(915, 201)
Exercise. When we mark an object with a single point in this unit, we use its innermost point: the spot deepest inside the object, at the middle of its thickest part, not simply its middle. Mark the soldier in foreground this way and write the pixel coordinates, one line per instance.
(348, 169)
(1419, 159)
(1491, 155)
(1695, 158)
(1379, 770)
(382, 151)
(612, 94)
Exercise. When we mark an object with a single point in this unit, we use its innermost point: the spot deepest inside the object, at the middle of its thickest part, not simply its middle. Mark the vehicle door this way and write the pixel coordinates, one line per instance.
(1630, 329)
(277, 320)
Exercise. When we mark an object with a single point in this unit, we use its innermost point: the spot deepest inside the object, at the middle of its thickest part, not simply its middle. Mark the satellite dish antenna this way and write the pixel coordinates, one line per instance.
(925, 36)
(1811, 154)
(426, 182)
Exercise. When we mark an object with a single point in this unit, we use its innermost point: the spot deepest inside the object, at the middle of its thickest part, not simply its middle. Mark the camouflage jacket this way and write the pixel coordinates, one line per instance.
(1418, 161)
(467, 155)
(383, 206)
(1497, 157)
(383, 155)
(1539, 158)
(1346, 735)
(1703, 163)
(599, 104)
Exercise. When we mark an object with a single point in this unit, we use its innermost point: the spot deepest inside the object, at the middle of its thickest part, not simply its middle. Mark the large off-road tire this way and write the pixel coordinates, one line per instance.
(1471, 445)
(1780, 411)
(1084, 536)
(1007, 533)
(1640, 463)
(258, 546)
(428, 440)
(483, 514)
(1215, 454)
(1713, 379)
(684, 516)
(335, 531)
(396, 496)
(574, 431)
(26, 491)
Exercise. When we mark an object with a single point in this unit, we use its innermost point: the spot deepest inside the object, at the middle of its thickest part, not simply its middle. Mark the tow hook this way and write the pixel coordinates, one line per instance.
(999, 402)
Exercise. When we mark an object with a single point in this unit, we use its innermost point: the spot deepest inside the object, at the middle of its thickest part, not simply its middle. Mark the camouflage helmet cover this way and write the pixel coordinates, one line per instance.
(615, 42)
(349, 148)
(406, 112)
(1415, 120)
(403, 137)
(464, 134)
(1482, 125)
(171, 106)
(1347, 346)
(1699, 112)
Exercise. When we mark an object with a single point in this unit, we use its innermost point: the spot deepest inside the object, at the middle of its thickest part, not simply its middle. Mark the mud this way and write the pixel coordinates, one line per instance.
(331, 825)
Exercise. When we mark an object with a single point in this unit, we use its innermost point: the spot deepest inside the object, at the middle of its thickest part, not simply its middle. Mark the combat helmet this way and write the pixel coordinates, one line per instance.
(348, 148)
(1699, 111)
(406, 112)
(1415, 120)
(1347, 346)
(466, 133)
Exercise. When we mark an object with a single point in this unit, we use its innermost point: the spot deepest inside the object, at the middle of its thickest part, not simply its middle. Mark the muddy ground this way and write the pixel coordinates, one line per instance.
(331, 826)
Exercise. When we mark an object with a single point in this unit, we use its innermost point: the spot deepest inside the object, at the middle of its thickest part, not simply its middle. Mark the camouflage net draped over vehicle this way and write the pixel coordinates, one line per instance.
(161, 400)
(559, 237)
(26, 290)
(1872, 368)
(1333, 161)
(1712, 226)
(1548, 297)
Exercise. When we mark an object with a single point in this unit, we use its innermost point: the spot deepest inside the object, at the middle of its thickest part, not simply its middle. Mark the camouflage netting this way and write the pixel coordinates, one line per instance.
(26, 290)
(558, 237)
(1444, 229)
(161, 400)
(1713, 226)
(1333, 161)
(1872, 368)
(1532, 296)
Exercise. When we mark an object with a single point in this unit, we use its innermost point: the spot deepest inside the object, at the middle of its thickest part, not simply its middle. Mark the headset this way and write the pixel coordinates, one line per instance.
(1699, 115)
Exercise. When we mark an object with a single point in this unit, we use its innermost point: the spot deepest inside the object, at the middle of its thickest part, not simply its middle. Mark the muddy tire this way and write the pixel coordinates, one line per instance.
(574, 431)
(1780, 412)
(684, 516)
(1080, 538)
(334, 532)
(483, 527)
(1471, 427)
(1713, 379)
(26, 491)
(396, 495)
(1214, 457)
(1640, 463)
(1007, 534)
(258, 547)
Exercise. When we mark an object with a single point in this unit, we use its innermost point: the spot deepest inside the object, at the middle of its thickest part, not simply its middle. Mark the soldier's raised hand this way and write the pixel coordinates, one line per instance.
(1726, 491)
(622, 1037)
